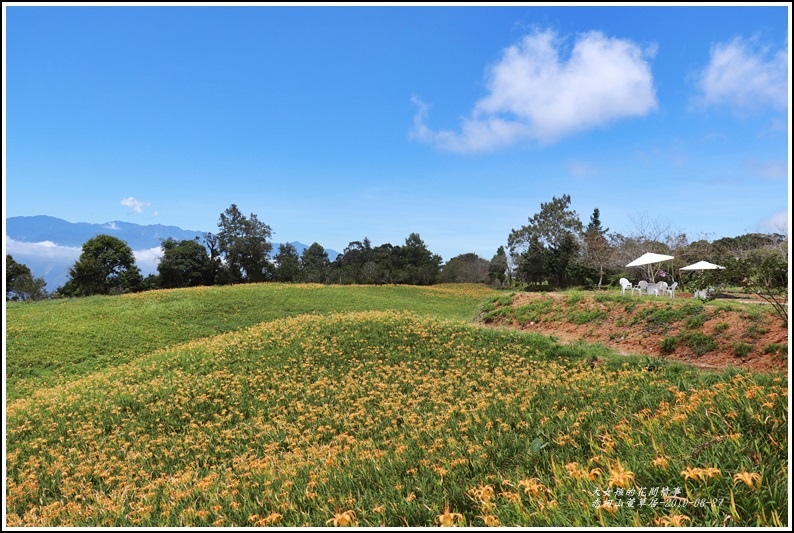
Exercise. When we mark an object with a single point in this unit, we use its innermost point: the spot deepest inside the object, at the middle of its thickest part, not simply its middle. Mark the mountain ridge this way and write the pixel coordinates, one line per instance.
(49, 246)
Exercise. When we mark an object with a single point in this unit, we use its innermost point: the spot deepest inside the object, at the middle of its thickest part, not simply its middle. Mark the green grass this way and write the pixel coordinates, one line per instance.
(392, 416)
(59, 340)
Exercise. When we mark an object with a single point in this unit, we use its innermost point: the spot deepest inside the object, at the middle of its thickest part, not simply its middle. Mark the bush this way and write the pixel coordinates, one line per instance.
(781, 349)
(668, 344)
(699, 342)
(741, 349)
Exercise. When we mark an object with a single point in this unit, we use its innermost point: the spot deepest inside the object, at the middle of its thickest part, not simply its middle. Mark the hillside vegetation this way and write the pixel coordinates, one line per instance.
(56, 341)
(715, 334)
(310, 405)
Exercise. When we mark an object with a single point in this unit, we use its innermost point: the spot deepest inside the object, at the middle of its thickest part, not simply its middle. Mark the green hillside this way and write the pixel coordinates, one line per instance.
(55, 341)
(370, 406)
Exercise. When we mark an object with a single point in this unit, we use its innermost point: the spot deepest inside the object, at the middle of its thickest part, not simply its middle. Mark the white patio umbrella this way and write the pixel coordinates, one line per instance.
(701, 266)
(648, 260)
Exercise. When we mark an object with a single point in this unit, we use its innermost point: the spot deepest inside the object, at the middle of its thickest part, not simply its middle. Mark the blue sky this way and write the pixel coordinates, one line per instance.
(336, 123)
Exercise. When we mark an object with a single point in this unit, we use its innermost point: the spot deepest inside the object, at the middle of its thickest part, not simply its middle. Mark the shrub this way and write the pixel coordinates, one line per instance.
(722, 326)
(776, 348)
(668, 344)
(754, 331)
(696, 322)
(741, 349)
(699, 342)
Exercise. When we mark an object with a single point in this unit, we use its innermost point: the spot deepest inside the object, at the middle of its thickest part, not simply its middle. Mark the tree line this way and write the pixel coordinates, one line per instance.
(554, 250)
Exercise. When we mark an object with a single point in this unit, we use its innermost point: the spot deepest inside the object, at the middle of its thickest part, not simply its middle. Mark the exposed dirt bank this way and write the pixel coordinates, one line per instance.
(742, 335)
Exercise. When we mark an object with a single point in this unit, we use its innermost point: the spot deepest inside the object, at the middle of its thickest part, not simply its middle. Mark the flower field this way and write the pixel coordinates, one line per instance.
(392, 417)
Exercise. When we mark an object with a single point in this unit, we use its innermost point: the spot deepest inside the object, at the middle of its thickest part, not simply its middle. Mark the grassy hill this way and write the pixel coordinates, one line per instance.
(58, 340)
(310, 405)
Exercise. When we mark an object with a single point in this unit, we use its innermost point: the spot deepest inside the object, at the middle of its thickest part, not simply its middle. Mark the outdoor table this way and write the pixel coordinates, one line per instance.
(653, 288)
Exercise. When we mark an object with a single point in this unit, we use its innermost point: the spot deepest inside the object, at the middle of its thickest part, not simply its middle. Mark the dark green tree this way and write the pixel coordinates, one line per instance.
(384, 259)
(243, 244)
(20, 283)
(355, 264)
(184, 264)
(550, 241)
(597, 251)
(416, 264)
(498, 268)
(315, 264)
(106, 266)
(465, 268)
(288, 263)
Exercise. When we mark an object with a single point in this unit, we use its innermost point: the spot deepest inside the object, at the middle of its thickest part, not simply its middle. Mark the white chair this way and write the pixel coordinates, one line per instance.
(671, 289)
(660, 288)
(625, 285)
(641, 287)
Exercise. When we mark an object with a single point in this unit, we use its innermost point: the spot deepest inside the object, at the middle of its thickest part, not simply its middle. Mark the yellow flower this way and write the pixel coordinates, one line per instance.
(271, 519)
(711, 472)
(660, 462)
(448, 519)
(531, 486)
(749, 478)
(512, 497)
(482, 493)
(675, 520)
(691, 473)
(620, 477)
(490, 520)
(345, 518)
(594, 473)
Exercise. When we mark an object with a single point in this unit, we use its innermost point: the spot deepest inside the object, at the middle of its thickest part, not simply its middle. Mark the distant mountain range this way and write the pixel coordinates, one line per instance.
(49, 246)
(43, 228)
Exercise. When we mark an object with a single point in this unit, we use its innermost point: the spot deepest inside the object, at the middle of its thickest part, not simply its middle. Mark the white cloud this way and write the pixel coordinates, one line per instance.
(777, 223)
(148, 259)
(42, 256)
(136, 205)
(743, 75)
(44, 250)
(535, 95)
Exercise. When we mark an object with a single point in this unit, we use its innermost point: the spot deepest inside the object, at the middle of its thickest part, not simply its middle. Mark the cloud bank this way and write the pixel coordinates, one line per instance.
(52, 261)
(745, 76)
(534, 94)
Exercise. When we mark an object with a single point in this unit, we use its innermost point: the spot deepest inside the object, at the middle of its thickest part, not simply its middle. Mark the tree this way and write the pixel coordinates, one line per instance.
(549, 242)
(356, 263)
(244, 247)
(597, 250)
(287, 263)
(184, 264)
(767, 276)
(465, 268)
(106, 266)
(416, 264)
(218, 274)
(315, 264)
(498, 268)
(20, 283)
